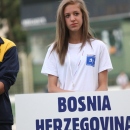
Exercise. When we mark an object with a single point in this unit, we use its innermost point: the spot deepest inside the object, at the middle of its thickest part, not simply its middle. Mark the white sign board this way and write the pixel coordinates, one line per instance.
(109, 110)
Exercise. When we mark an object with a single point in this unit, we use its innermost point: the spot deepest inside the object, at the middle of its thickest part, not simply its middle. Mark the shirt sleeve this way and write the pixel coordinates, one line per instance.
(9, 68)
(49, 65)
(104, 59)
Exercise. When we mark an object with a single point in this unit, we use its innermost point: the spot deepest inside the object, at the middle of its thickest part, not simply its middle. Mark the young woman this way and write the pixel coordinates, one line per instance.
(76, 61)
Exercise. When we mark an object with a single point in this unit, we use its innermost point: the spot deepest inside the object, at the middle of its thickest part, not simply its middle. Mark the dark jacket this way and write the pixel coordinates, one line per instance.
(9, 67)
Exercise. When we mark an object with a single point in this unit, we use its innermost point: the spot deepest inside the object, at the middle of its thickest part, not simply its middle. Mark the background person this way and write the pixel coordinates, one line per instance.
(9, 67)
(76, 61)
(122, 80)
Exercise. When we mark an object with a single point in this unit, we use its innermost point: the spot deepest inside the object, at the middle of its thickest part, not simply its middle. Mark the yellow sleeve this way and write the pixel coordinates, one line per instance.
(5, 47)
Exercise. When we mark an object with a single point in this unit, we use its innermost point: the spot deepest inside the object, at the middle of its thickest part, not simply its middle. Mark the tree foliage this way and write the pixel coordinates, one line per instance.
(10, 10)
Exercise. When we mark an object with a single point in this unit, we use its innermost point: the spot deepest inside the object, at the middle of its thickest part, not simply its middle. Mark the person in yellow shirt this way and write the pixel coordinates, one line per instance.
(9, 67)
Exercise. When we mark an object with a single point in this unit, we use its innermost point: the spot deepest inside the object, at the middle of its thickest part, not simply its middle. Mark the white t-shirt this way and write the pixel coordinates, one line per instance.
(81, 67)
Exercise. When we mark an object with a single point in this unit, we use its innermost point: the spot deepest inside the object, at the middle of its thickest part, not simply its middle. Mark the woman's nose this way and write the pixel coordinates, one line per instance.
(72, 17)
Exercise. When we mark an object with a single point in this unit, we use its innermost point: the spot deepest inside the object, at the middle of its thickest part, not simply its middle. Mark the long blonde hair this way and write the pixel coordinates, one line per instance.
(62, 32)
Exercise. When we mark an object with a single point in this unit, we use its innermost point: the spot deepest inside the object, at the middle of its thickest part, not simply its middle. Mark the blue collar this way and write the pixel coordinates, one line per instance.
(1, 41)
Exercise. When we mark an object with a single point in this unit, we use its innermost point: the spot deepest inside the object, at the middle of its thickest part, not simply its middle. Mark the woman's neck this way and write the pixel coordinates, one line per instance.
(75, 38)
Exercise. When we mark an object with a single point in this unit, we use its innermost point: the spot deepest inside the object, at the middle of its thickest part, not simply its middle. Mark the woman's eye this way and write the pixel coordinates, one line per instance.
(66, 16)
(76, 14)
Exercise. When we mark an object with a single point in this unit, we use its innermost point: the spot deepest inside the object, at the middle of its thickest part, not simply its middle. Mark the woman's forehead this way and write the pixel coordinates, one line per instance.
(71, 8)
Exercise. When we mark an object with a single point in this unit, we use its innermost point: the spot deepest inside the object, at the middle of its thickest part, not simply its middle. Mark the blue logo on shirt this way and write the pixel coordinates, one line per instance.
(90, 60)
